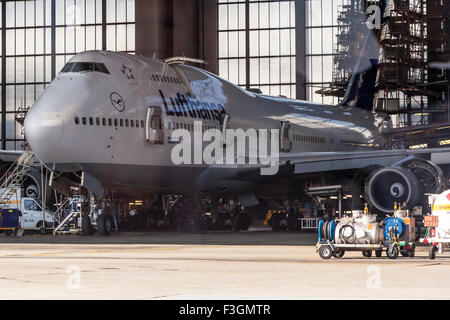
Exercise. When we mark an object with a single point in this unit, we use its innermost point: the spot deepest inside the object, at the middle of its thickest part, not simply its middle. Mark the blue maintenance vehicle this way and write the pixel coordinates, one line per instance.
(9, 220)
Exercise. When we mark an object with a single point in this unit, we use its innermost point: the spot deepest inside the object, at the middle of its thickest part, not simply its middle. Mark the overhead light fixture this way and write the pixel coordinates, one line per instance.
(419, 146)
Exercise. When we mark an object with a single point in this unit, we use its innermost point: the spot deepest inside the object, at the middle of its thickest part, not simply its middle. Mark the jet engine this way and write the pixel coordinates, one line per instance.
(32, 185)
(389, 185)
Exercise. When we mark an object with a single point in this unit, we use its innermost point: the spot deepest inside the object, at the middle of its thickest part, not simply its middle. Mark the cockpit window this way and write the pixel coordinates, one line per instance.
(79, 67)
(67, 67)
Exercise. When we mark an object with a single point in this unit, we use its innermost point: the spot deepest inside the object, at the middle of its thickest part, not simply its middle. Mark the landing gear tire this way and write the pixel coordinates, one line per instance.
(432, 252)
(404, 253)
(244, 221)
(338, 254)
(86, 226)
(218, 223)
(367, 254)
(325, 252)
(378, 253)
(392, 251)
(203, 222)
(275, 222)
(104, 225)
(292, 223)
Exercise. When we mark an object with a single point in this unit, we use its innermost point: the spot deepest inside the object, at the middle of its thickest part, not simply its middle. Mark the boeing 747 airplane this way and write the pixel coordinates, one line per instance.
(113, 116)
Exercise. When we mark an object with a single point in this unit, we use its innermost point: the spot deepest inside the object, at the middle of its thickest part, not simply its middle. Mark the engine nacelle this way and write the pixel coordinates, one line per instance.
(32, 185)
(390, 185)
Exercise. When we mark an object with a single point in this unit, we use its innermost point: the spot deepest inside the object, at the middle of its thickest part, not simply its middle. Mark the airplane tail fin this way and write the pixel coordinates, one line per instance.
(361, 89)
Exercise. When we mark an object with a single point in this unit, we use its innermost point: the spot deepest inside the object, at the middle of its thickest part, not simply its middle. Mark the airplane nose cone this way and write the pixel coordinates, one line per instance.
(43, 131)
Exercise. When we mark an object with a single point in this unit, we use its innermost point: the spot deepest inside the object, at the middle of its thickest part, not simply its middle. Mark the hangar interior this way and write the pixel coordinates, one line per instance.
(302, 49)
(298, 49)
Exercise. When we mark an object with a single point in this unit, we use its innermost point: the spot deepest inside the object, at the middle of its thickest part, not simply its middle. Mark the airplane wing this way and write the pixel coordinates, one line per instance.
(334, 161)
(312, 162)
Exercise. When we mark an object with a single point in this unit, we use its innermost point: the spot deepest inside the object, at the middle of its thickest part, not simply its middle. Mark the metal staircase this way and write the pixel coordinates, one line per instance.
(67, 214)
(15, 176)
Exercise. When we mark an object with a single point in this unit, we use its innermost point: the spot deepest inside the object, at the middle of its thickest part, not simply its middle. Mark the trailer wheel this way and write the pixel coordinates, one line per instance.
(432, 252)
(378, 253)
(412, 251)
(404, 253)
(325, 252)
(104, 225)
(392, 251)
(367, 254)
(338, 254)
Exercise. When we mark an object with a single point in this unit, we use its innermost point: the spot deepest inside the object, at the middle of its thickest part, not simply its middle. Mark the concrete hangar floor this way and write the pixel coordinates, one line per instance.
(258, 264)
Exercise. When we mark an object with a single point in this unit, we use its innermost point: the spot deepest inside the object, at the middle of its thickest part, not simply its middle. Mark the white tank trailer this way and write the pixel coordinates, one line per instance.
(438, 224)
(362, 232)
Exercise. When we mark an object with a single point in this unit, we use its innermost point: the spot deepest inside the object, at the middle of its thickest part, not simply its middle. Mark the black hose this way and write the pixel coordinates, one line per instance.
(348, 239)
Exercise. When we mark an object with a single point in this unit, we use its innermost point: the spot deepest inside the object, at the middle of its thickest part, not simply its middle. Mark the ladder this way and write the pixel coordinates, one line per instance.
(15, 175)
(74, 212)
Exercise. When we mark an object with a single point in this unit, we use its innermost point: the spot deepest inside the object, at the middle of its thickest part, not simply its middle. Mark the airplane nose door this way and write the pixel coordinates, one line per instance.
(155, 126)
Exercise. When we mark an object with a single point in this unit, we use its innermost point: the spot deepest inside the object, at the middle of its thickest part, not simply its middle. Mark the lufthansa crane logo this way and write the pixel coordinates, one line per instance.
(117, 102)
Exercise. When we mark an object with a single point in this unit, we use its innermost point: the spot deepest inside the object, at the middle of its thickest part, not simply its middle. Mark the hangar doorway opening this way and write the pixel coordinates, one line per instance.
(154, 126)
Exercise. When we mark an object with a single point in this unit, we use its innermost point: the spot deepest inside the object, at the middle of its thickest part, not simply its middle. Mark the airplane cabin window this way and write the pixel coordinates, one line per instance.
(77, 120)
(84, 121)
(116, 123)
(104, 122)
(110, 122)
(127, 123)
(121, 122)
(142, 123)
(97, 121)
(132, 123)
(91, 121)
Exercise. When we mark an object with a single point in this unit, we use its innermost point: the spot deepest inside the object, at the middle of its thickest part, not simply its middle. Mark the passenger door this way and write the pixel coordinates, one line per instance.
(31, 214)
(155, 125)
(285, 140)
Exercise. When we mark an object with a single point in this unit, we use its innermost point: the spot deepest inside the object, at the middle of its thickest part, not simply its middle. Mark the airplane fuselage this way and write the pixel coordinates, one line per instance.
(98, 121)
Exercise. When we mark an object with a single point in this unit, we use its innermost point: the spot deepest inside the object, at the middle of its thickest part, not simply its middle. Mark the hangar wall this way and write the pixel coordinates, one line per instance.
(168, 28)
